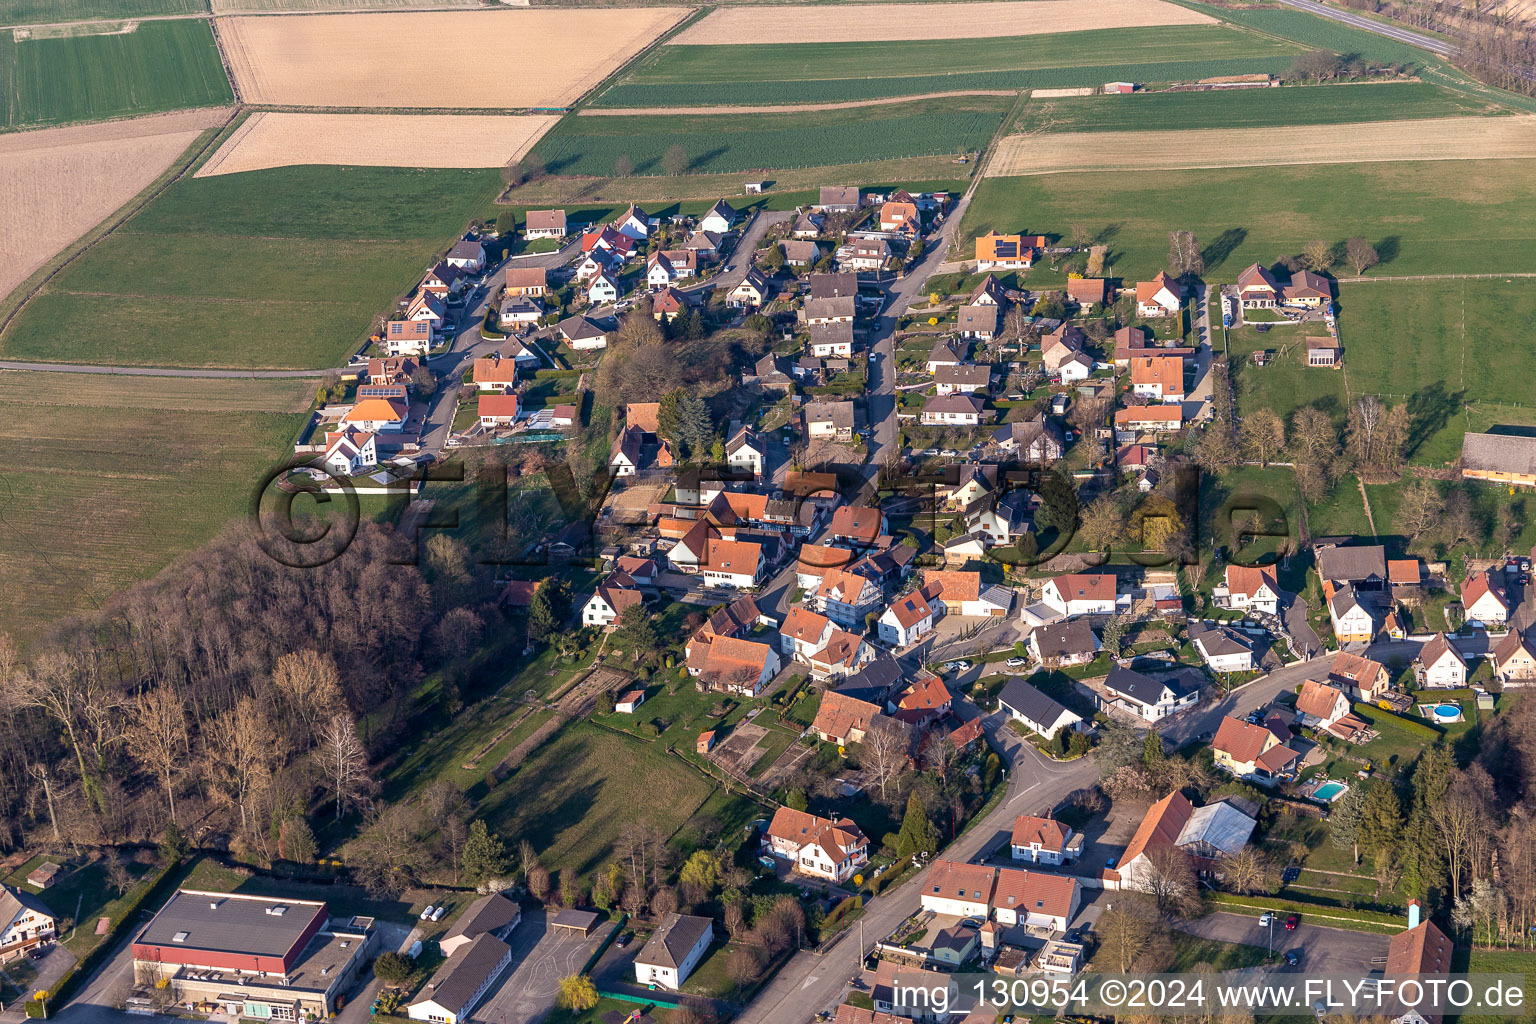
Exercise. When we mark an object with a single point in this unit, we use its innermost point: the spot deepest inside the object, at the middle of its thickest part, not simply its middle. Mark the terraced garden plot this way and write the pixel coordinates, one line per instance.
(1247, 108)
(107, 480)
(762, 73)
(160, 65)
(283, 268)
(719, 143)
(1473, 216)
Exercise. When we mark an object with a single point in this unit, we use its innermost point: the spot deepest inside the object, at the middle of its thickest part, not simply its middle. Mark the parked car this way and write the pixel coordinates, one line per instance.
(624, 939)
(1292, 958)
(1265, 918)
(1292, 921)
(1016, 662)
(957, 666)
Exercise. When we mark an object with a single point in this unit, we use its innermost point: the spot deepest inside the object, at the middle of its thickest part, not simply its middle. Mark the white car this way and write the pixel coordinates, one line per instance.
(1265, 919)
(957, 666)
(1016, 662)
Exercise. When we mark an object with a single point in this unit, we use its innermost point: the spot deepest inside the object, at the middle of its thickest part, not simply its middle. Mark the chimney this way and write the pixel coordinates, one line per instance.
(1413, 913)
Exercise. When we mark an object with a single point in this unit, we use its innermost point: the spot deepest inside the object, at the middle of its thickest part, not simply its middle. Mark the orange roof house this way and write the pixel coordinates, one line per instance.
(1088, 291)
(1159, 376)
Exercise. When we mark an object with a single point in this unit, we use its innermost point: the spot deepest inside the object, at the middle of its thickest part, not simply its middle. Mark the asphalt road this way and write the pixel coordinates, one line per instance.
(1402, 35)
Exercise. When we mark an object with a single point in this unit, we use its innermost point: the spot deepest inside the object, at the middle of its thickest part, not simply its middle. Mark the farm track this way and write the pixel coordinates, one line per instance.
(786, 108)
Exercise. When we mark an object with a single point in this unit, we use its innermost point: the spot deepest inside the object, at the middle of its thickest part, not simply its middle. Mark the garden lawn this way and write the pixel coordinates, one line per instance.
(736, 142)
(1341, 513)
(1421, 218)
(1189, 951)
(83, 896)
(832, 72)
(161, 65)
(109, 479)
(1498, 961)
(275, 269)
(574, 796)
(1440, 345)
(1245, 108)
(1285, 382)
(1244, 486)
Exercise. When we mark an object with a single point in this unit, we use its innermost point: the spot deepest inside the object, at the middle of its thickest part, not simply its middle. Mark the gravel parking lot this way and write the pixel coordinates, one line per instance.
(541, 956)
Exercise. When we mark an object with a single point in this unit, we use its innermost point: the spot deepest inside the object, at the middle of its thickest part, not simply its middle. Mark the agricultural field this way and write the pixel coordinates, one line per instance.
(29, 12)
(851, 22)
(159, 65)
(333, 60)
(1246, 108)
(109, 478)
(605, 781)
(270, 139)
(297, 6)
(284, 268)
(61, 182)
(1444, 138)
(721, 143)
(1474, 216)
(1439, 345)
(758, 73)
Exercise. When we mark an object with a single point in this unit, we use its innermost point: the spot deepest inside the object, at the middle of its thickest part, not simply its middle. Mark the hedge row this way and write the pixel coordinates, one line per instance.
(556, 374)
(1381, 716)
(1369, 920)
(1436, 696)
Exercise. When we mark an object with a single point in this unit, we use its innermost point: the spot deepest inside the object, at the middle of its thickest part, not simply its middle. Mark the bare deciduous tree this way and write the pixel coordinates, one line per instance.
(345, 761)
(157, 736)
(311, 687)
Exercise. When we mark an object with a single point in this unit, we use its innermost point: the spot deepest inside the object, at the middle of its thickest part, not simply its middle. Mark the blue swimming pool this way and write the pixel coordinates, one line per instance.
(1329, 791)
(1447, 713)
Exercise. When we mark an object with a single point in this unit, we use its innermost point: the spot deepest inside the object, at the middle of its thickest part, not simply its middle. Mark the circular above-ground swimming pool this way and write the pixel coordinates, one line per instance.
(1329, 791)
(1447, 712)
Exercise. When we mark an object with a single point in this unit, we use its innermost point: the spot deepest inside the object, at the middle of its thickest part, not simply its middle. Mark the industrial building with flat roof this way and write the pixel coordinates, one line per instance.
(253, 956)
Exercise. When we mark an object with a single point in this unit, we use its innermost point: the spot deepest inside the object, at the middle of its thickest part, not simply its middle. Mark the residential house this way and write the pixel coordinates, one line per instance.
(1308, 289)
(856, 525)
(25, 923)
(610, 245)
(900, 216)
(1006, 252)
(1003, 520)
(350, 452)
(408, 337)
(453, 992)
(807, 224)
(1158, 377)
(1483, 599)
(753, 291)
(1352, 619)
(519, 312)
(831, 340)
(1327, 709)
(954, 945)
(1223, 648)
(1423, 955)
(545, 224)
(674, 950)
(978, 322)
(719, 218)
(733, 563)
(1249, 588)
(964, 890)
(1256, 288)
(582, 334)
(964, 379)
(800, 253)
(925, 700)
(747, 452)
(1157, 419)
(624, 457)
(609, 602)
(373, 415)
(966, 548)
(961, 593)
(838, 199)
(467, 255)
(642, 570)
(1360, 677)
(1033, 440)
(629, 702)
(988, 293)
(1132, 341)
(1322, 352)
(633, 223)
(944, 354)
(907, 619)
(531, 282)
(1514, 659)
(603, 289)
(831, 286)
(731, 664)
(1206, 834)
(662, 267)
(1044, 840)
(496, 410)
(844, 654)
(428, 307)
(1440, 664)
(819, 847)
(495, 914)
(1064, 643)
(1038, 712)
(391, 370)
(1035, 899)
(1089, 291)
(668, 304)
(844, 719)
(831, 310)
(804, 633)
(1151, 699)
(1081, 594)
(773, 373)
(1499, 458)
(705, 243)
(952, 410)
(441, 282)
(846, 597)
(1253, 751)
(833, 420)
(875, 682)
(1158, 297)
(867, 254)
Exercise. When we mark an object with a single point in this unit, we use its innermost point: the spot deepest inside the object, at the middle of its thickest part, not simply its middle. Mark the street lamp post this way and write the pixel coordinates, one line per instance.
(1270, 946)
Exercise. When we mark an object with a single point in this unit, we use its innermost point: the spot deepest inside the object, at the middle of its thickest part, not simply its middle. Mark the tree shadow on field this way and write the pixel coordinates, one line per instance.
(1216, 253)
(701, 161)
(1106, 233)
(1430, 410)
(1389, 248)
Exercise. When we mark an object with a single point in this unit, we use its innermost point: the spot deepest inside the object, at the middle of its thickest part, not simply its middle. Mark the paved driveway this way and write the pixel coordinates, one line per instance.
(541, 956)
(1323, 950)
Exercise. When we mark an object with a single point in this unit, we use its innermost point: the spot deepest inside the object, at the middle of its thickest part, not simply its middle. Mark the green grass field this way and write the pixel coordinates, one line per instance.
(1424, 218)
(830, 72)
(161, 65)
(270, 269)
(718, 142)
(83, 895)
(605, 780)
(109, 478)
(1285, 383)
(1246, 108)
(28, 12)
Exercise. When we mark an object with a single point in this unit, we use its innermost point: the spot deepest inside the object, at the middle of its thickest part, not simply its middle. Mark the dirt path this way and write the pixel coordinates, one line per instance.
(786, 108)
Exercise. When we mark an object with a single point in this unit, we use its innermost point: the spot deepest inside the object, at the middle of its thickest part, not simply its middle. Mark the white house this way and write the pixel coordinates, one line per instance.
(907, 620)
(1158, 297)
(350, 452)
(733, 563)
(1483, 599)
(1036, 711)
(408, 337)
(1151, 699)
(629, 702)
(633, 223)
(658, 270)
(607, 604)
(821, 847)
(1042, 840)
(460, 983)
(846, 597)
(372, 415)
(951, 410)
(25, 921)
(964, 890)
(582, 334)
(719, 218)
(1249, 588)
(1035, 899)
(603, 288)
(1320, 706)
(467, 255)
(746, 452)
(674, 950)
(804, 633)
(1442, 664)
(1081, 594)
(1224, 649)
(545, 224)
